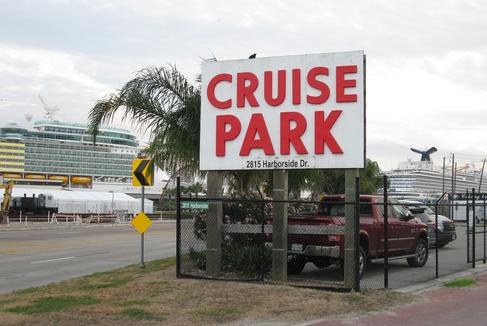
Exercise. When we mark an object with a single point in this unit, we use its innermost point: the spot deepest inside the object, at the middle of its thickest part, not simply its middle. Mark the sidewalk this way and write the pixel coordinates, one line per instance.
(444, 306)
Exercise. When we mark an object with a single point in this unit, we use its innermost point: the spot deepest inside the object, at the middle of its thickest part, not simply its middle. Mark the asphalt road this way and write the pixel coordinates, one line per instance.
(37, 257)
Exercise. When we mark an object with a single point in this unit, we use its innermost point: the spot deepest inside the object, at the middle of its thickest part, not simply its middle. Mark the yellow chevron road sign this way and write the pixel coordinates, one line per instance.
(142, 172)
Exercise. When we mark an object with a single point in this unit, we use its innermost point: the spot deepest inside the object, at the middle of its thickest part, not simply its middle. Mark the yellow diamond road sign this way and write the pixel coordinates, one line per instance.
(142, 172)
(141, 222)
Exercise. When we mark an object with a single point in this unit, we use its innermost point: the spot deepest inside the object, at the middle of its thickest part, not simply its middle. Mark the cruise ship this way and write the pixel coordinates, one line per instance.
(61, 153)
(422, 180)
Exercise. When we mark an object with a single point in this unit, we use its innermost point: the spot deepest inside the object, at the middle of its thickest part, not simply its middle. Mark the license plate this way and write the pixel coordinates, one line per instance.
(296, 247)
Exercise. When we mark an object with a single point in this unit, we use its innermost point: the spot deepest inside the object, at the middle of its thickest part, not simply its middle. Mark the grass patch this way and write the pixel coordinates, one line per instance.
(110, 284)
(134, 303)
(354, 298)
(140, 314)
(155, 296)
(53, 304)
(159, 264)
(6, 301)
(218, 313)
(460, 282)
(29, 290)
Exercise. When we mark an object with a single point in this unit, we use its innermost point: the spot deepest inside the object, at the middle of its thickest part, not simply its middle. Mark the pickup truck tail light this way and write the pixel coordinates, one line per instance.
(334, 237)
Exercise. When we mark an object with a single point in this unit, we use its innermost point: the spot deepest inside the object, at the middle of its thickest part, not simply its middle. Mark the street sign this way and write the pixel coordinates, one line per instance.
(142, 172)
(141, 222)
(194, 205)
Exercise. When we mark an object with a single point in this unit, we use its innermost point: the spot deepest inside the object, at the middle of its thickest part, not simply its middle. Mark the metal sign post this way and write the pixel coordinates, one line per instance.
(142, 235)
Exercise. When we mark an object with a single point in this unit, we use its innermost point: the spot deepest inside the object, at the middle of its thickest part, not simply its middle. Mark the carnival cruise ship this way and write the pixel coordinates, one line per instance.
(422, 180)
(62, 153)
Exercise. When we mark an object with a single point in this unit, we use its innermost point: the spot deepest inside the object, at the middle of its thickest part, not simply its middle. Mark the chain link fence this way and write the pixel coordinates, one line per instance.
(390, 244)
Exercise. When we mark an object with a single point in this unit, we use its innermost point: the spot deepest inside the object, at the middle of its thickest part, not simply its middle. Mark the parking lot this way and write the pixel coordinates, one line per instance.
(451, 258)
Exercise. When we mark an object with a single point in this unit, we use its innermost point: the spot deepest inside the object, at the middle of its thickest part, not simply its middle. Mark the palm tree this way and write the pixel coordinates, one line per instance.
(163, 102)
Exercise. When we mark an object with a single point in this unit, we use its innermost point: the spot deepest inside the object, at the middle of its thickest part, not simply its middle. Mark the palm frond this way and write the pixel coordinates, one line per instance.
(163, 102)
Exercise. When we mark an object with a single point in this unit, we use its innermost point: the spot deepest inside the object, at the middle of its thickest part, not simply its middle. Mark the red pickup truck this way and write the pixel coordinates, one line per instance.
(408, 236)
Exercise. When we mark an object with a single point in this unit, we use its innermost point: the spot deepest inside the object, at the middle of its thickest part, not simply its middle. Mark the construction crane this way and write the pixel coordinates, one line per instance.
(7, 195)
(50, 110)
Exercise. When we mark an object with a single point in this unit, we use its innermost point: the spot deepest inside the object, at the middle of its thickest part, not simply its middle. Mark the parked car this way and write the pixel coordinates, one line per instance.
(420, 213)
(446, 227)
(408, 236)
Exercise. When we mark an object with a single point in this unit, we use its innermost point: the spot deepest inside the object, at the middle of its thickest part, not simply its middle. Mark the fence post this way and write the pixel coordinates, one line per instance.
(436, 239)
(350, 229)
(468, 228)
(473, 228)
(386, 235)
(178, 227)
(279, 225)
(484, 261)
(356, 286)
(214, 224)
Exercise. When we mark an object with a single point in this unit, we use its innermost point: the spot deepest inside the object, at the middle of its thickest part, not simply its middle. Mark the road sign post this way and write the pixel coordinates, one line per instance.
(142, 175)
(142, 235)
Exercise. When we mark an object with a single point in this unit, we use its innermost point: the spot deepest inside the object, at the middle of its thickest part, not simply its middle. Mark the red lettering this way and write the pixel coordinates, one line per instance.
(281, 88)
(343, 83)
(210, 92)
(323, 132)
(257, 126)
(222, 135)
(319, 85)
(246, 91)
(296, 86)
(292, 136)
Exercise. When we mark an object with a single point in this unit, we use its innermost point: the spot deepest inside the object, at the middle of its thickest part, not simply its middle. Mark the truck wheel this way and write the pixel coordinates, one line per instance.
(362, 262)
(421, 254)
(295, 265)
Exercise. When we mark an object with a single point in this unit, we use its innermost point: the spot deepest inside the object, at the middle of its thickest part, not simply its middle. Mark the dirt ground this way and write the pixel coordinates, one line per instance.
(153, 296)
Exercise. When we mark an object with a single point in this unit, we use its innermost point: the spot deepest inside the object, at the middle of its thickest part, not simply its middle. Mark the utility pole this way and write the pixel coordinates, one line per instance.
(455, 179)
(452, 190)
(443, 184)
(481, 176)
(452, 172)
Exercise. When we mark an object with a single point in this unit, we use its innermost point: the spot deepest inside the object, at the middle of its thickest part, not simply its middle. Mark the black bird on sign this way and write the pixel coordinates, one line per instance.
(425, 155)
(253, 56)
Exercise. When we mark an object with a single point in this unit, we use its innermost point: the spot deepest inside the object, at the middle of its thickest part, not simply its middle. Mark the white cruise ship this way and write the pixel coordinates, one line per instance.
(422, 180)
(62, 153)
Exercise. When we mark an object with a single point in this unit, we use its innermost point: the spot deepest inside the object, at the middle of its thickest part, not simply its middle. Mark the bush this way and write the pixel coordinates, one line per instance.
(242, 253)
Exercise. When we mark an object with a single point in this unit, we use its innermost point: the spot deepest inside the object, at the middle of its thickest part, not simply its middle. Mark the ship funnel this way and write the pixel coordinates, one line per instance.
(425, 155)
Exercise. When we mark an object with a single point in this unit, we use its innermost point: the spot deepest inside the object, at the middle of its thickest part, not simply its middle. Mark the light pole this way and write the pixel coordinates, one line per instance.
(113, 195)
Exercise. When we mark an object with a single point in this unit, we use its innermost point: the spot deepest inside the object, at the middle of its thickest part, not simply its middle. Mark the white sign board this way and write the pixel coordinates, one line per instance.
(290, 112)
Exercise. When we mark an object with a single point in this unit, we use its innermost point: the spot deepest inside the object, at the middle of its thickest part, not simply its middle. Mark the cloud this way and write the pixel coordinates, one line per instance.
(426, 61)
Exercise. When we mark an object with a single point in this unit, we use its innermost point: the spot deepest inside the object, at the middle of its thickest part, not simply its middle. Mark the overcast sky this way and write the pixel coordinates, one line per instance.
(426, 60)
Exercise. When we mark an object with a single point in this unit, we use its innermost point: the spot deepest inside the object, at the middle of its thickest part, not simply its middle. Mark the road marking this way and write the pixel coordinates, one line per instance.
(93, 254)
(50, 260)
